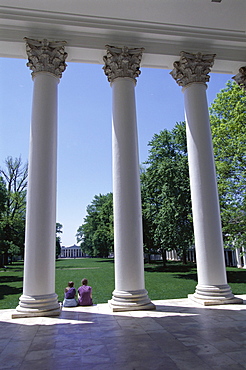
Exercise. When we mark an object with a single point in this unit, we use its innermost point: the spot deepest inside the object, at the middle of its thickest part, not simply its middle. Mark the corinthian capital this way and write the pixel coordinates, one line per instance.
(122, 62)
(240, 78)
(46, 56)
(192, 68)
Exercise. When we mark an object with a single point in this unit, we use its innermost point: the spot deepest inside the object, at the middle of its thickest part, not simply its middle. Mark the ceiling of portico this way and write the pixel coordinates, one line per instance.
(162, 27)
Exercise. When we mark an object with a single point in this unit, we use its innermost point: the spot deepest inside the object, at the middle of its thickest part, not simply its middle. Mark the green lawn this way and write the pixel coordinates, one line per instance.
(174, 281)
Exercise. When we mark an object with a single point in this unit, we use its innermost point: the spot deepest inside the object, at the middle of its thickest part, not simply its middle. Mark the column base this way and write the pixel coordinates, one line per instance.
(41, 305)
(208, 295)
(130, 301)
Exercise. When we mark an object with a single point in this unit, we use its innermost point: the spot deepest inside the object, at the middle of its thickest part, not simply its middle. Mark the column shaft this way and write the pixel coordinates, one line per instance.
(238, 258)
(47, 61)
(41, 198)
(244, 257)
(205, 203)
(126, 188)
(129, 291)
(191, 72)
(212, 282)
(39, 271)
(122, 67)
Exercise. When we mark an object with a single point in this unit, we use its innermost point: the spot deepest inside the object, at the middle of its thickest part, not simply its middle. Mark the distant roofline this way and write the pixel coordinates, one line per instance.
(70, 247)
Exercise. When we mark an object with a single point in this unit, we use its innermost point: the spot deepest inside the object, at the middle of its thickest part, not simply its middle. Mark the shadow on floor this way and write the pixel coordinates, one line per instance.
(178, 335)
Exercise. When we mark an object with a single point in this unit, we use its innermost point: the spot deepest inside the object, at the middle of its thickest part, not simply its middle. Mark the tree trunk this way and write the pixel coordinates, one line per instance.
(184, 257)
(164, 257)
(5, 258)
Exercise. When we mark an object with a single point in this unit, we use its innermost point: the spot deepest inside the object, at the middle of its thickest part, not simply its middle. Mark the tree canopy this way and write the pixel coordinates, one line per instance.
(58, 238)
(12, 208)
(3, 196)
(166, 197)
(96, 233)
(228, 117)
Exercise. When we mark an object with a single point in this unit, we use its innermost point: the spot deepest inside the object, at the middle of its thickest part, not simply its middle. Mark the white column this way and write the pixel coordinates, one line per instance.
(191, 73)
(39, 297)
(244, 257)
(122, 67)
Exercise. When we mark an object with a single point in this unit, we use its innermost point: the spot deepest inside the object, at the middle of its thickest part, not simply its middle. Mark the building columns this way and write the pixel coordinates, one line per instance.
(191, 72)
(47, 61)
(122, 68)
(244, 257)
(238, 258)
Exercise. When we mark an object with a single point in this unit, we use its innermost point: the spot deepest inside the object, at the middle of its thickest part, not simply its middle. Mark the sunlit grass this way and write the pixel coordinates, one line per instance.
(174, 281)
(99, 272)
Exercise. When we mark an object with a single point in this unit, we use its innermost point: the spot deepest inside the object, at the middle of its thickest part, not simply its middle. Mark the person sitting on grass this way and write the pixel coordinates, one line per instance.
(70, 292)
(85, 294)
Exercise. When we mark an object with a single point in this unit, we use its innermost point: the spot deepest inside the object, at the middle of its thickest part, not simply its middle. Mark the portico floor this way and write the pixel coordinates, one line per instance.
(180, 334)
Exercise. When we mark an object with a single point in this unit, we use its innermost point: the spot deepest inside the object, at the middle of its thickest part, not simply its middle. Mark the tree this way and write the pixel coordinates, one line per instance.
(166, 197)
(3, 196)
(228, 117)
(96, 233)
(58, 238)
(12, 222)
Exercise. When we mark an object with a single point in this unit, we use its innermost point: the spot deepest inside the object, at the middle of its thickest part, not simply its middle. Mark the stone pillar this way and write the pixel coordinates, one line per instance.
(47, 61)
(238, 257)
(244, 257)
(122, 68)
(191, 72)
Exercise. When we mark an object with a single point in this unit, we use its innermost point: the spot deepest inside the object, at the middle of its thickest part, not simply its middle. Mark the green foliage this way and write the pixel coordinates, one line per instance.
(13, 208)
(58, 239)
(96, 233)
(228, 117)
(3, 196)
(166, 193)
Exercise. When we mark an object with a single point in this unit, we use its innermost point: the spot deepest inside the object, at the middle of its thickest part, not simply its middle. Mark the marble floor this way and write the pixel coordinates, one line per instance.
(180, 334)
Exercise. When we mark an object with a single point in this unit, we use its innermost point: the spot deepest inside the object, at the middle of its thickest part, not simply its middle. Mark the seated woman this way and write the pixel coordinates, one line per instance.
(70, 292)
(85, 294)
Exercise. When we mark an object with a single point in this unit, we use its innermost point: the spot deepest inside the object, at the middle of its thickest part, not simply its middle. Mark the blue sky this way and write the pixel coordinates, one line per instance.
(84, 127)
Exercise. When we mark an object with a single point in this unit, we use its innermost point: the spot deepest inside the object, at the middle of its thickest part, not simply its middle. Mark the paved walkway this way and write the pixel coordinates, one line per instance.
(180, 334)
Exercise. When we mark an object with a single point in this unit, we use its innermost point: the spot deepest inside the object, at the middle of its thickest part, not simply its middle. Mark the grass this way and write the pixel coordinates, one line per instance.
(174, 281)
(99, 272)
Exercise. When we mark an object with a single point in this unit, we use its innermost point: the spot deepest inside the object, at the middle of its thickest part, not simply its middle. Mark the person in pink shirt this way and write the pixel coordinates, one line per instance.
(85, 294)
